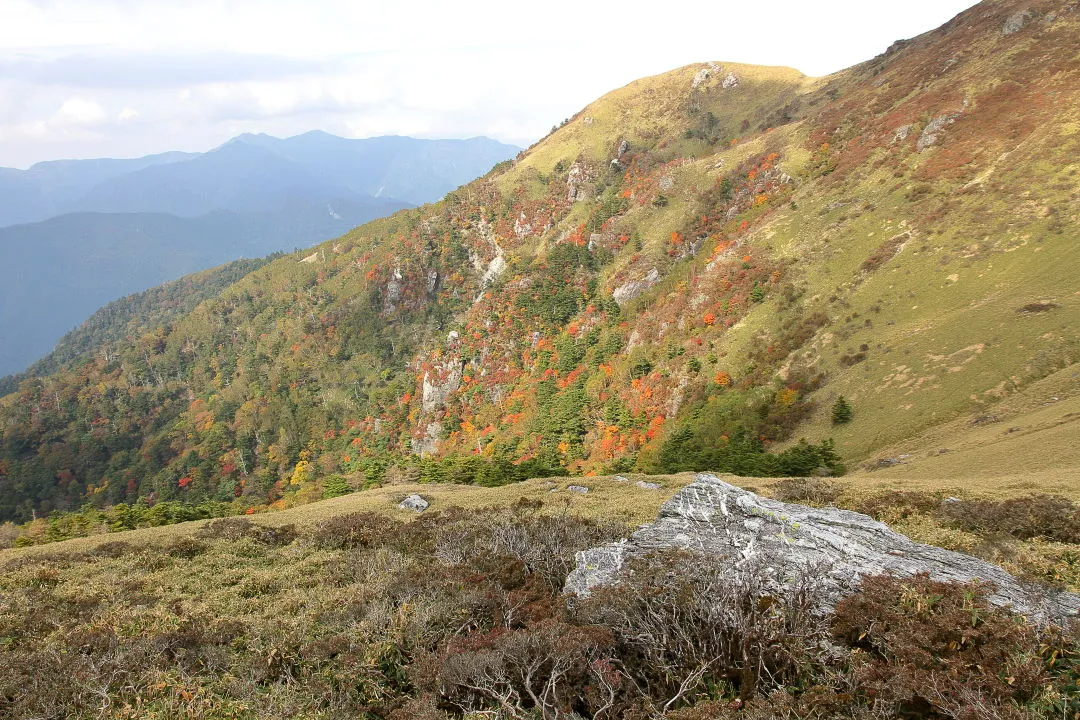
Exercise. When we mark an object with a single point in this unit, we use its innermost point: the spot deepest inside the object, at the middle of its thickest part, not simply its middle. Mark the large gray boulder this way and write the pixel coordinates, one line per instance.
(739, 528)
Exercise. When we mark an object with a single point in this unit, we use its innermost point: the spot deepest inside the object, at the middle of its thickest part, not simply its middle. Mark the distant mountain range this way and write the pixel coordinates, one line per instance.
(76, 234)
(250, 173)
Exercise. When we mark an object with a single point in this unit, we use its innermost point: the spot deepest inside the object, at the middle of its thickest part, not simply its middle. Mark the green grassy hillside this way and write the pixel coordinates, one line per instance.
(685, 275)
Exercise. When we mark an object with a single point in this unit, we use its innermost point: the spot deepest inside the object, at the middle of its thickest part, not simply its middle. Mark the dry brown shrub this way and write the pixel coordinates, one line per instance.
(1051, 517)
(355, 530)
(185, 547)
(237, 528)
(894, 505)
(929, 647)
(683, 621)
(807, 491)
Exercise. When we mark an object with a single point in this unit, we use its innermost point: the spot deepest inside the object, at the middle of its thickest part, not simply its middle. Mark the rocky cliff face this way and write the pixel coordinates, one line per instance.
(736, 527)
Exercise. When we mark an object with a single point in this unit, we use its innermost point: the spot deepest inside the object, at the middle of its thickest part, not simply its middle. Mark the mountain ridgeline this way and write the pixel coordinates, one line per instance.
(84, 232)
(688, 273)
(249, 173)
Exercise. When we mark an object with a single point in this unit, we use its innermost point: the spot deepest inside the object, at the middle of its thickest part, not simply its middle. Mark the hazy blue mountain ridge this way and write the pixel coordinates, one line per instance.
(250, 173)
(76, 234)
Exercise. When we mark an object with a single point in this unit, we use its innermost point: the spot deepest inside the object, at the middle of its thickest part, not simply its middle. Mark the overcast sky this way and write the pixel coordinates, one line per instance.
(122, 78)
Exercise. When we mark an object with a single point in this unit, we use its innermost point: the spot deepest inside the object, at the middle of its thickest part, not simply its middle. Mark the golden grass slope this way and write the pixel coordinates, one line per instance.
(608, 498)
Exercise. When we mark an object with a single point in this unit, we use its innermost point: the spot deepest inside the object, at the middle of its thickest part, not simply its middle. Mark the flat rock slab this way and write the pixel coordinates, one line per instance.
(580, 489)
(415, 503)
(839, 547)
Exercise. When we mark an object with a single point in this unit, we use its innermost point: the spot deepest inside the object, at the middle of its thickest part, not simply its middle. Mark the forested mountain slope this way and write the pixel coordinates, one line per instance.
(77, 234)
(692, 269)
(62, 268)
(135, 314)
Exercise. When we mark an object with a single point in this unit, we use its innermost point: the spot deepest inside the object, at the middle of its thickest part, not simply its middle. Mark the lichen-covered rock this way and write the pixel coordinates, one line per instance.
(631, 289)
(576, 181)
(647, 485)
(1016, 22)
(427, 443)
(737, 527)
(394, 287)
(933, 130)
(442, 380)
(414, 502)
(579, 489)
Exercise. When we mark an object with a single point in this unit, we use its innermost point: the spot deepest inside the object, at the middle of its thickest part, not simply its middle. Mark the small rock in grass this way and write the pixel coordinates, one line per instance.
(414, 503)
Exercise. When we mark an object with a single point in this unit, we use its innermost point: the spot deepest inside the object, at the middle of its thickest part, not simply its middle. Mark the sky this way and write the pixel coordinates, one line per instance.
(124, 78)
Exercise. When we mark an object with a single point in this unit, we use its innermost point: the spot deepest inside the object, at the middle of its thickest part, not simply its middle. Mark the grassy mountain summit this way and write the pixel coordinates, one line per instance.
(688, 272)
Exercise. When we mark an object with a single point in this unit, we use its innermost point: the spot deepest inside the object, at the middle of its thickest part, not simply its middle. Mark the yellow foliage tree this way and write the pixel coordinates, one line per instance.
(301, 473)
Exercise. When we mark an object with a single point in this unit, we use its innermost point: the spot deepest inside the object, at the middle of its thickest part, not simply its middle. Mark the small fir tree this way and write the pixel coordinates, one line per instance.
(841, 411)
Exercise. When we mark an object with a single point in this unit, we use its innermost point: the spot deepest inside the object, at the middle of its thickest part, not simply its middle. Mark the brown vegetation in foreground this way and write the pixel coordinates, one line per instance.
(459, 614)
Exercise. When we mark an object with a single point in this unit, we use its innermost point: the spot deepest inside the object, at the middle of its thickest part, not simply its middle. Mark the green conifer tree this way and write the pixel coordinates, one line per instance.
(841, 411)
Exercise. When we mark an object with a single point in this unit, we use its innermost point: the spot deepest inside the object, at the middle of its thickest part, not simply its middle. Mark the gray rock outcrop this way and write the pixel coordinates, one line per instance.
(1017, 21)
(440, 382)
(495, 268)
(738, 527)
(631, 289)
(933, 130)
(522, 226)
(576, 181)
(427, 443)
(394, 287)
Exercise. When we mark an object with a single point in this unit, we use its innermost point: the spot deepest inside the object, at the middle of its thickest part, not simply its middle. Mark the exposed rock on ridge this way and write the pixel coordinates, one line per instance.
(840, 547)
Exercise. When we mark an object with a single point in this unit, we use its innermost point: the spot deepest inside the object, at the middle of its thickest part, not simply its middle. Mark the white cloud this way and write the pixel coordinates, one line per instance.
(79, 111)
(138, 76)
